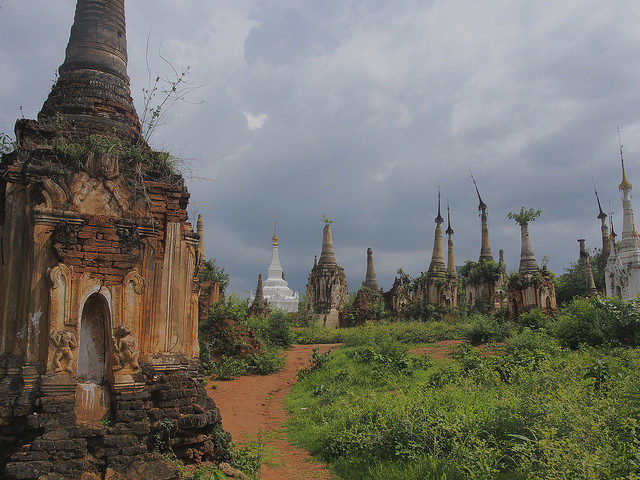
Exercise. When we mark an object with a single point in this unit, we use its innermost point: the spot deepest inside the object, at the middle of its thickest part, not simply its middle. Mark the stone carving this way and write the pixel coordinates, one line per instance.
(125, 350)
(64, 358)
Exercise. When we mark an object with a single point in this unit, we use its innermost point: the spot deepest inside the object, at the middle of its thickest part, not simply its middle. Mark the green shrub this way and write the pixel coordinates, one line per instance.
(531, 340)
(271, 361)
(229, 368)
(534, 318)
(610, 321)
(484, 329)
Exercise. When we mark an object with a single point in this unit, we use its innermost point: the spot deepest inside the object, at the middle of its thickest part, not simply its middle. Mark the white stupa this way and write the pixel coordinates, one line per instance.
(276, 290)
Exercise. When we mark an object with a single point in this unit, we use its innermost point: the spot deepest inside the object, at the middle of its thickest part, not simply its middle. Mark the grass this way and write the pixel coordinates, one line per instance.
(373, 411)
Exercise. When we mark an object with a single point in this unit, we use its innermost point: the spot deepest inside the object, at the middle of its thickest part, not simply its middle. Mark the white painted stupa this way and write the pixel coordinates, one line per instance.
(276, 290)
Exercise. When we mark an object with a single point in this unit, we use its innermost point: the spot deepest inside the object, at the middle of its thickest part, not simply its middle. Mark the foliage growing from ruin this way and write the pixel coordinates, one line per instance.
(519, 281)
(326, 220)
(212, 272)
(484, 271)
(525, 215)
(7, 143)
(75, 151)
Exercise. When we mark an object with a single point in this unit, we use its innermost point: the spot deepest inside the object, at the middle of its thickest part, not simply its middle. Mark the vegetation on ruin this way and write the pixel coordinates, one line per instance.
(525, 215)
(232, 343)
(558, 398)
(74, 150)
(210, 271)
(484, 271)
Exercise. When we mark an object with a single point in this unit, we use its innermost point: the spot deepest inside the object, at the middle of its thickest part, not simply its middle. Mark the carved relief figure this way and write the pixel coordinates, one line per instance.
(126, 350)
(64, 358)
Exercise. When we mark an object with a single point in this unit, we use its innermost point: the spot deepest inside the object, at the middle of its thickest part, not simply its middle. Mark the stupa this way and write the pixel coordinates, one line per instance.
(276, 289)
(622, 273)
(98, 282)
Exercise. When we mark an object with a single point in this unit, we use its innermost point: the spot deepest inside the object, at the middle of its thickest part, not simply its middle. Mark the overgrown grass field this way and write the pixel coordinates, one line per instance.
(562, 402)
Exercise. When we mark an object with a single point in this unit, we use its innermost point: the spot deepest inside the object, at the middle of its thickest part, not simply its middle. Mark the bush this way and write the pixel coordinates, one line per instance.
(484, 329)
(534, 318)
(610, 321)
(531, 340)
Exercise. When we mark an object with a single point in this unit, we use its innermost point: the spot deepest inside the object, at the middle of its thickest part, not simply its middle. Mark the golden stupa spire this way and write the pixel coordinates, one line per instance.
(275, 239)
(625, 185)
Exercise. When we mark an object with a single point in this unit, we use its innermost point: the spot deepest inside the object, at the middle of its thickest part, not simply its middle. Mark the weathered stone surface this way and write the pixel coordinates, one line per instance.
(98, 297)
(327, 288)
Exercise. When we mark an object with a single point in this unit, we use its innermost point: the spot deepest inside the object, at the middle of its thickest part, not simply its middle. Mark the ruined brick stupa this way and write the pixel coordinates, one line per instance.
(327, 288)
(98, 290)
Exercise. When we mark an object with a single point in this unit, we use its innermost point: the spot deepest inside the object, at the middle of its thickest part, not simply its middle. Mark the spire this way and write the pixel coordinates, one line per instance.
(274, 271)
(588, 272)
(274, 239)
(625, 184)
(451, 260)
(437, 257)
(449, 230)
(501, 257)
(92, 94)
(485, 245)
(370, 279)
(200, 229)
(439, 218)
(259, 299)
(606, 244)
(327, 256)
(528, 263)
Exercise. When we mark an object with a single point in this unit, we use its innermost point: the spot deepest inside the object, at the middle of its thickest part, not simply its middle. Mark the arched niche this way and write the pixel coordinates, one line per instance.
(94, 360)
(95, 323)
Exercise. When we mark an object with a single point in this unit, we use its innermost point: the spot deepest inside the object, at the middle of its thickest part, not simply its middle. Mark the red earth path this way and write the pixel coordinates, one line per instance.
(252, 408)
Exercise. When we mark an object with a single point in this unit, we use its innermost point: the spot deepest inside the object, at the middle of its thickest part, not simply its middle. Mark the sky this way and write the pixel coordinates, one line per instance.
(360, 109)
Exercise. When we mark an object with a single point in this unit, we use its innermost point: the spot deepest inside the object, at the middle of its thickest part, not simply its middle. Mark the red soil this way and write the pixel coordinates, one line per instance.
(252, 407)
(444, 349)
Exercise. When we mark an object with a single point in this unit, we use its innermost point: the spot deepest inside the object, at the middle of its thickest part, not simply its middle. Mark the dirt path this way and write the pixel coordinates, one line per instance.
(253, 406)
(445, 348)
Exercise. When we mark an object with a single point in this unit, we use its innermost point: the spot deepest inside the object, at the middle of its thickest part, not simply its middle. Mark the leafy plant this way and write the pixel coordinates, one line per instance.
(212, 272)
(524, 216)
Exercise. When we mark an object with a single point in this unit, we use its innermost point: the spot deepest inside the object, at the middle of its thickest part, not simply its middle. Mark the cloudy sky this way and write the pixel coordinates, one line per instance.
(359, 109)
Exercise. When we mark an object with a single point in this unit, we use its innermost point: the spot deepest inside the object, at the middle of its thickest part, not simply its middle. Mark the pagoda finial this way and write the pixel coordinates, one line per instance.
(275, 238)
(601, 214)
(625, 184)
(439, 218)
(481, 205)
(449, 230)
(613, 233)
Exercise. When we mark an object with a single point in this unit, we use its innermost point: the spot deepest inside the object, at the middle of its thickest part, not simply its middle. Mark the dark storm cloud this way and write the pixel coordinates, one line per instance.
(359, 109)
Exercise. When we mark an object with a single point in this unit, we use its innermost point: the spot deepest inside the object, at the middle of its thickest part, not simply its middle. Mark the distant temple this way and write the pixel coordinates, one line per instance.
(486, 285)
(327, 289)
(439, 285)
(532, 287)
(622, 273)
(277, 293)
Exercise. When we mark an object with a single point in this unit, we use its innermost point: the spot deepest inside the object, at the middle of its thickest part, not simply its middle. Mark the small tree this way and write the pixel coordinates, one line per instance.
(326, 220)
(524, 216)
(211, 272)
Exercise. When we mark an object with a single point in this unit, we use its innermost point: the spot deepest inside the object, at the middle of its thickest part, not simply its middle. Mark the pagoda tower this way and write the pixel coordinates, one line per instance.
(98, 275)
(276, 290)
(588, 272)
(370, 281)
(437, 286)
(622, 273)
(327, 288)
